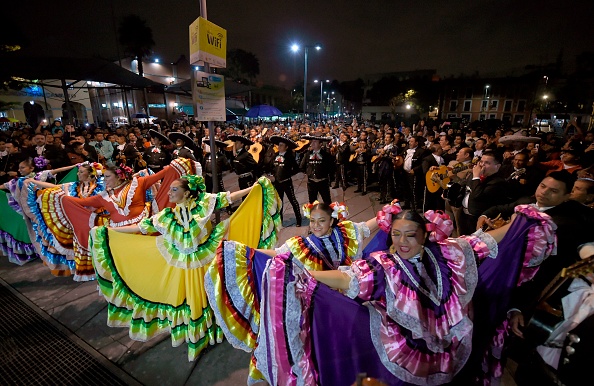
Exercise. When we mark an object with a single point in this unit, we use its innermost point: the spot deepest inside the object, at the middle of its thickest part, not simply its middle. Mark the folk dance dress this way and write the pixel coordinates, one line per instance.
(401, 321)
(126, 205)
(154, 284)
(233, 279)
(55, 256)
(17, 235)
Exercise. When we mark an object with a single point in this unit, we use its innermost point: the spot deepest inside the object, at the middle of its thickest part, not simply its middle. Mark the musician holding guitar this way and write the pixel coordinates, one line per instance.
(574, 223)
(383, 156)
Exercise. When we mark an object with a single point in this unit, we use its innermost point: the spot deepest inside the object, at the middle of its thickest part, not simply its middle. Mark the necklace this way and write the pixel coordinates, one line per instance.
(85, 189)
(435, 300)
(120, 199)
(183, 215)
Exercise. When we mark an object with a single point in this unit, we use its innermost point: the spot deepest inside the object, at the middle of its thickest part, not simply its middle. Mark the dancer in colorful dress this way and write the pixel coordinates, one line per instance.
(89, 183)
(154, 282)
(16, 234)
(124, 198)
(403, 313)
(232, 280)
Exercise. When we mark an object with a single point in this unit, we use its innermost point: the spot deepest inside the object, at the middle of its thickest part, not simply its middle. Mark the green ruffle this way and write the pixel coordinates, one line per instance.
(146, 319)
(271, 220)
(178, 245)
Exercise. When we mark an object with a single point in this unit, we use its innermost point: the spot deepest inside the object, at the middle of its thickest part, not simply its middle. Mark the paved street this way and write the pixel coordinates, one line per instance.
(83, 312)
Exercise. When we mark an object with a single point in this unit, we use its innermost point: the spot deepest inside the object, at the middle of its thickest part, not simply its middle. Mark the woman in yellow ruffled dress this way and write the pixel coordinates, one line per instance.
(153, 281)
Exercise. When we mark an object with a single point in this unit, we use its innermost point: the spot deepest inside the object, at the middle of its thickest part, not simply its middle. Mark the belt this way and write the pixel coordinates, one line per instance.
(288, 179)
(248, 174)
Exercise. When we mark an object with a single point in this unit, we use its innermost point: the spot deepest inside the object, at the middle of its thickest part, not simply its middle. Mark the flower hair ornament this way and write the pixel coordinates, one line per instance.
(96, 168)
(385, 215)
(195, 182)
(124, 172)
(440, 226)
(307, 208)
(40, 162)
(339, 211)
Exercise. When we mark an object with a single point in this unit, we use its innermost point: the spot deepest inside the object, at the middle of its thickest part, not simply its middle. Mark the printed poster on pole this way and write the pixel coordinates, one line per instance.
(209, 97)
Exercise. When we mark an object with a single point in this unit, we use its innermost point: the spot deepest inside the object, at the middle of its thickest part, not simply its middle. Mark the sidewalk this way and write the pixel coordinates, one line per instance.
(81, 310)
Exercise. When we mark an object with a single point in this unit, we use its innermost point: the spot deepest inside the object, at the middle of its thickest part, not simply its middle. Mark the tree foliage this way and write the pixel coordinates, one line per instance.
(136, 37)
(242, 66)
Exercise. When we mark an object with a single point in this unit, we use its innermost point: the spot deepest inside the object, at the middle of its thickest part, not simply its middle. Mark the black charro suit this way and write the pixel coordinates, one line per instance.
(433, 201)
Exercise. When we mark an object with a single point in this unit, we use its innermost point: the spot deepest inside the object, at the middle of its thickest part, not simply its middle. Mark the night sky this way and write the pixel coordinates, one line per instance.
(359, 37)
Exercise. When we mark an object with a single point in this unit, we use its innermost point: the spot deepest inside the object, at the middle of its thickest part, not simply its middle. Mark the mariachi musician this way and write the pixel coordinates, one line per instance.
(155, 156)
(283, 167)
(244, 164)
(342, 154)
(362, 158)
(383, 158)
(318, 166)
(222, 164)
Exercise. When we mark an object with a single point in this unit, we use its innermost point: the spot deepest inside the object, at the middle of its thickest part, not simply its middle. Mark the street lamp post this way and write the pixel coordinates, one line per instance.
(295, 48)
(321, 94)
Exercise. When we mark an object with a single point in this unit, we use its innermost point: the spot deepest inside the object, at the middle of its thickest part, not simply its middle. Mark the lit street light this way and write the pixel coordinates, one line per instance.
(295, 48)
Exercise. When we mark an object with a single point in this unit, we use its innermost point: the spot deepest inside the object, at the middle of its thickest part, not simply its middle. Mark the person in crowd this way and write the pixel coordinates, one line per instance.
(184, 146)
(222, 164)
(334, 241)
(124, 198)
(167, 272)
(484, 188)
(429, 163)
(583, 191)
(521, 178)
(573, 222)
(413, 170)
(103, 147)
(283, 167)
(244, 164)
(407, 305)
(22, 251)
(343, 153)
(318, 166)
(363, 162)
(89, 182)
(156, 156)
(384, 153)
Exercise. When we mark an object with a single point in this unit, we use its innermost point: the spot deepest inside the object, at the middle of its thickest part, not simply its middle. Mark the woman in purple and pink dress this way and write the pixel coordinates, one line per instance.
(400, 315)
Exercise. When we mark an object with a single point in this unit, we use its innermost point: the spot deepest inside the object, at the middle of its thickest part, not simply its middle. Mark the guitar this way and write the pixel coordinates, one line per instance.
(545, 318)
(454, 193)
(255, 150)
(301, 144)
(434, 177)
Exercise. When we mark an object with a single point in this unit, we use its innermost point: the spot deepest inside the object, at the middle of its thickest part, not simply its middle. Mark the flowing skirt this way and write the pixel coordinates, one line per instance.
(153, 297)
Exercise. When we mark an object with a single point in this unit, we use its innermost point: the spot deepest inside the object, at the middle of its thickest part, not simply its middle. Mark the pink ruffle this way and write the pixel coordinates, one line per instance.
(541, 241)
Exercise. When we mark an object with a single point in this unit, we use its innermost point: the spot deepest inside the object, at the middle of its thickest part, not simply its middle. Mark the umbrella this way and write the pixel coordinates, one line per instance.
(4, 120)
(263, 111)
(139, 115)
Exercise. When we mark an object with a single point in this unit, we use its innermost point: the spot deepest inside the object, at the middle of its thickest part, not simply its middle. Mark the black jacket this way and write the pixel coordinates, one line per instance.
(317, 168)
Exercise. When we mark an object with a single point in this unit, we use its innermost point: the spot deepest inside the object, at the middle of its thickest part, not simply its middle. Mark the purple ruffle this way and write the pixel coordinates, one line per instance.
(18, 252)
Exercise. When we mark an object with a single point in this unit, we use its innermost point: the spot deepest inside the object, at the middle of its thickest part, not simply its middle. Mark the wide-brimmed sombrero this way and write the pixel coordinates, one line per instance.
(518, 137)
(245, 140)
(276, 139)
(155, 134)
(218, 142)
(315, 138)
(174, 136)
